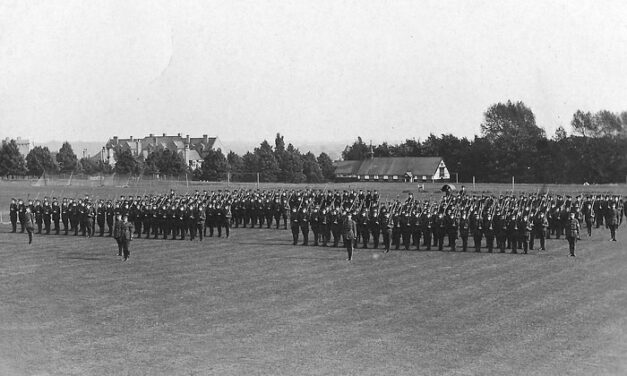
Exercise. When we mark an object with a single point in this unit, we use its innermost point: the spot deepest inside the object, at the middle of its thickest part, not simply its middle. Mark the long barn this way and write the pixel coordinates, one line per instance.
(393, 169)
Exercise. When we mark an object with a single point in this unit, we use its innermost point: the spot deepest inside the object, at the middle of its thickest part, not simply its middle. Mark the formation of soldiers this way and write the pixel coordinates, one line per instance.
(503, 222)
(157, 216)
(513, 222)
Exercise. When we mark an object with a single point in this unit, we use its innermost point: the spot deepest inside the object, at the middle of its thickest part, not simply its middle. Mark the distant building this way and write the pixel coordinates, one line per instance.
(192, 149)
(393, 169)
(22, 144)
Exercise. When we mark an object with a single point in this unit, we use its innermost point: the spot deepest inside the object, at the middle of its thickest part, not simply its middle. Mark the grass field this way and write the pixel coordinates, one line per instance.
(254, 304)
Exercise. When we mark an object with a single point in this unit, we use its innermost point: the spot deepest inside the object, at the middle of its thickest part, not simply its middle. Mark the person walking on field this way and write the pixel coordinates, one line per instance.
(572, 232)
(126, 236)
(29, 223)
(349, 230)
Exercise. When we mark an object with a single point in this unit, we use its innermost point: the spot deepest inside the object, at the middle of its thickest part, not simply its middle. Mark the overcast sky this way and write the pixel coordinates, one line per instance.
(315, 71)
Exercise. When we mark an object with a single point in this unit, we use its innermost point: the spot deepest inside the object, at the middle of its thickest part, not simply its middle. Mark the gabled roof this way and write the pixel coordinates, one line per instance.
(193, 155)
(346, 167)
(399, 166)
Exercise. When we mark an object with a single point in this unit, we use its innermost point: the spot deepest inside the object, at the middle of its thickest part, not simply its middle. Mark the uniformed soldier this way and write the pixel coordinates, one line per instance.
(572, 232)
(47, 216)
(349, 231)
(612, 220)
(464, 232)
(56, 215)
(13, 215)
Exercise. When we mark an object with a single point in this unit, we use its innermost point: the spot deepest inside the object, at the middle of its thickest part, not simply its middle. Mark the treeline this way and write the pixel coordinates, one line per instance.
(40, 159)
(512, 144)
(267, 163)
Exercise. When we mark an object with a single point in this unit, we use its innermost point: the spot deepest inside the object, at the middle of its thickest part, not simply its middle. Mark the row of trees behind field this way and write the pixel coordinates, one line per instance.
(512, 144)
(278, 163)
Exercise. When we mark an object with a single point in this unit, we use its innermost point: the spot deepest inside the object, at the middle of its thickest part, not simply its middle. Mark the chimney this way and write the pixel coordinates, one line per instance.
(115, 140)
(164, 135)
(187, 139)
(151, 135)
(205, 139)
(178, 134)
(131, 138)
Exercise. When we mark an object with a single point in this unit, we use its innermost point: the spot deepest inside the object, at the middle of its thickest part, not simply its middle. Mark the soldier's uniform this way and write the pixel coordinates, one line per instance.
(56, 215)
(13, 215)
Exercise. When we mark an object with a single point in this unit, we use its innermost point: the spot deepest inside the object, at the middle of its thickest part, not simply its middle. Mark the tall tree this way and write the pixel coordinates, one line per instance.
(267, 163)
(234, 161)
(39, 160)
(582, 124)
(607, 123)
(326, 166)
(11, 160)
(126, 163)
(512, 131)
(357, 151)
(66, 158)
(214, 166)
(89, 166)
(311, 168)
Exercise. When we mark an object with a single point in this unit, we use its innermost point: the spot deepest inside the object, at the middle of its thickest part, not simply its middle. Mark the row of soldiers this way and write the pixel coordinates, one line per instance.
(156, 216)
(513, 222)
(169, 214)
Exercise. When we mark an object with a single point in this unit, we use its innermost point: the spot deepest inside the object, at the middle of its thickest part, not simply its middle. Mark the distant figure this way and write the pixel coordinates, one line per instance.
(612, 220)
(29, 223)
(349, 231)
(126, 236)
(572, 232)
(117, 232)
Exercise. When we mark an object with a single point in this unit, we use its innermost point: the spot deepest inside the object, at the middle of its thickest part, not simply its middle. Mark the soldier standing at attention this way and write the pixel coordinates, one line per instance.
(612, 220)
(349, 229)
(386, 230)
(126, 236)
(56, 215)
(294, 225)
(572, 232)
(464, 231)
(13, 215)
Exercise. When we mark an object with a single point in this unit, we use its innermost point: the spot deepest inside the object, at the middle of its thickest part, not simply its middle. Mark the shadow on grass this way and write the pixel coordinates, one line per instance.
(82, 256)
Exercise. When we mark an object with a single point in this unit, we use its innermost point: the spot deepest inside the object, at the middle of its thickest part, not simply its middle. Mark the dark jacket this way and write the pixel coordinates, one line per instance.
(349, 229)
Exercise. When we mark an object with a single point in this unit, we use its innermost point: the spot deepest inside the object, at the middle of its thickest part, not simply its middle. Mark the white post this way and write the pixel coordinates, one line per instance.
(473, 182)
(257, 180)
(512, 184)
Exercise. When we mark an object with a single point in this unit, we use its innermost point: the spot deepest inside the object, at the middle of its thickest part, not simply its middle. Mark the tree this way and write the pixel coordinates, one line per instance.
(311, 169)
(267, 163)
(39, 160)
(90, 166)
(234, 162)
(250, 167)
(66, 158)
(582, 124)
(214, 166)
(292, 166)
(326, 166)
(11, 160)
(607, 123)
(357, 151)
(126, 163)
(560, 134)
(513, 134)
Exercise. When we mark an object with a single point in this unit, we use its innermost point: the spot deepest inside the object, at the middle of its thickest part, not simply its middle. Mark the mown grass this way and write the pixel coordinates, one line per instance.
(254, 304)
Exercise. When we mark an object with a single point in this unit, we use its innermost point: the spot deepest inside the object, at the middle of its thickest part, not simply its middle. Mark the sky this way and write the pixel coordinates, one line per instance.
(318, 72)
